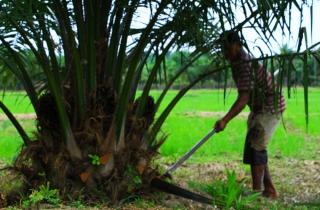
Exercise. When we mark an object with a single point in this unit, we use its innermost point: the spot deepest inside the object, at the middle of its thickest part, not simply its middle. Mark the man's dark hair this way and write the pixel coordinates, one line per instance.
(229, 37)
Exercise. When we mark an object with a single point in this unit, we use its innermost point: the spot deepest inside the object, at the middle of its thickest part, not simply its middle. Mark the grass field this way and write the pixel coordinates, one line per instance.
(193, 117)
(197, 112)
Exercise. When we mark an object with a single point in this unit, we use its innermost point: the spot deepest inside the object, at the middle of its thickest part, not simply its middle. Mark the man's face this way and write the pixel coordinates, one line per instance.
(231, 51)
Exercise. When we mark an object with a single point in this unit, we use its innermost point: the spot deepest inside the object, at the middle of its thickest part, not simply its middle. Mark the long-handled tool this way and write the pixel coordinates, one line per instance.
(164, 186)
(174, 166)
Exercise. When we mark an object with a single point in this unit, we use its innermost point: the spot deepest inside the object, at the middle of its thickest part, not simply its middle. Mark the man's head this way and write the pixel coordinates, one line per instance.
(230, 44)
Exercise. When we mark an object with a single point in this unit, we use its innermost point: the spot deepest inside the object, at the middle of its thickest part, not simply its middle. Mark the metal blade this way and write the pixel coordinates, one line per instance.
(189, 153)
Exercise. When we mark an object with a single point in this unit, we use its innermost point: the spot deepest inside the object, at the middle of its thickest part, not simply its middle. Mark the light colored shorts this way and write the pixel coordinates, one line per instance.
(261, 128)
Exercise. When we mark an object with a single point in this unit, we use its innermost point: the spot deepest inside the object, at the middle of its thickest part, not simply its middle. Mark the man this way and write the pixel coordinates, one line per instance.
(254, 85)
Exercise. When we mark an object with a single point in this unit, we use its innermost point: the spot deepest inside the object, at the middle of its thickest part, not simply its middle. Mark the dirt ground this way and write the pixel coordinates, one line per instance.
(19, 116)
(297, 182)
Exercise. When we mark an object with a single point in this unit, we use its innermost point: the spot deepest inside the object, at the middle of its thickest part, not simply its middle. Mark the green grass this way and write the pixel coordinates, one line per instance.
(188, 123)
(10, 141)
(229, 193)
(185, 130)
(17, 102)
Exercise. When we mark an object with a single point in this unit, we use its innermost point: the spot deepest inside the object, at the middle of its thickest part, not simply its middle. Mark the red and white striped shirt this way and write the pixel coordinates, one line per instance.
(253, 78)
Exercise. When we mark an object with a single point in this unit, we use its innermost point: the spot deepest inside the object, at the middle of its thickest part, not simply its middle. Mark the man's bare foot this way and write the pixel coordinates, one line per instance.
(271, 194)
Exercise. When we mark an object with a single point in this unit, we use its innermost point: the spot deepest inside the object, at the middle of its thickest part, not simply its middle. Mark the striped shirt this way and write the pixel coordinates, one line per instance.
(253, 78)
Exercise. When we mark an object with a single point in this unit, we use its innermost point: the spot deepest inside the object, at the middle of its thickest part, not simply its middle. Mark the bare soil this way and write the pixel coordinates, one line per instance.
(207, 114)
(297, 182)
(19, 116)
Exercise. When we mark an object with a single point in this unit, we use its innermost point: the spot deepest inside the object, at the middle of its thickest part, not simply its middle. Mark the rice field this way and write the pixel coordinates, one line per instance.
(192, 118)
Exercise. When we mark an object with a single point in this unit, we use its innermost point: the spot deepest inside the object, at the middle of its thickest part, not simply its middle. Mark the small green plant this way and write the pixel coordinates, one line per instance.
(143, 203)
(94, 159)
(78, 204)
(43, 194)
(12, 208)
(229, 194)
(134, 176)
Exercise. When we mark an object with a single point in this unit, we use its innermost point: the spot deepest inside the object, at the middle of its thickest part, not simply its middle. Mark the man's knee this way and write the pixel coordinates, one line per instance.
(259, 157)
(254, 157)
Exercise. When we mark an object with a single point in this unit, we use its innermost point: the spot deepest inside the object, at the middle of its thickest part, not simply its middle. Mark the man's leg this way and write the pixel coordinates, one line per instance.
(269, 189)
(258, 166)
(256, 159)
(257, 174)
(259, 133)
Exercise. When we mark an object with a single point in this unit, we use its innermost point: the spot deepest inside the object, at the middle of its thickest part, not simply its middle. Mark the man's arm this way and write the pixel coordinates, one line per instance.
(236, 108)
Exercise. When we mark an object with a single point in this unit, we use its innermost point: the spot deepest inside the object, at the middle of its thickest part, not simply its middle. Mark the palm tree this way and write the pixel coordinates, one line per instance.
(92, 131)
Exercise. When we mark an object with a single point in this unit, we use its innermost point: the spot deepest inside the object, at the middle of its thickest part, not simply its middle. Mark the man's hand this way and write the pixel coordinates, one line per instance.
(236, 108)
(220, 125)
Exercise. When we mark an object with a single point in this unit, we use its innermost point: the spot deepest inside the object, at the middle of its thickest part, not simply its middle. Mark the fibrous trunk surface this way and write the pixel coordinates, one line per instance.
(108, 167)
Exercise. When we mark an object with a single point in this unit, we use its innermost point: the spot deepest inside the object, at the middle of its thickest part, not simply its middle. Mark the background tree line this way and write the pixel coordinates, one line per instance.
(174, 61)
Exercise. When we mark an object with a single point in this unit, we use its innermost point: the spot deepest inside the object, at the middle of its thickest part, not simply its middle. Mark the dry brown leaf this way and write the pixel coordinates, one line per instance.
(84, 176)
(141, 166)
(104, 159)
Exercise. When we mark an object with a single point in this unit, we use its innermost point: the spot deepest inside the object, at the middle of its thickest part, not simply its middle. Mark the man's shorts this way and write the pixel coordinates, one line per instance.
(260, 130)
